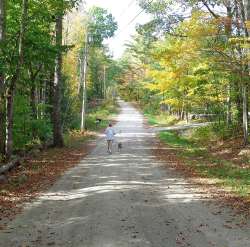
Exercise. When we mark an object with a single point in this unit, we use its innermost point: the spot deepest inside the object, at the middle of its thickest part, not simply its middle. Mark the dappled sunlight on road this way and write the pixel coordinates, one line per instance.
(133, 135)
(127, 199)
(119, 166)
(168, 194)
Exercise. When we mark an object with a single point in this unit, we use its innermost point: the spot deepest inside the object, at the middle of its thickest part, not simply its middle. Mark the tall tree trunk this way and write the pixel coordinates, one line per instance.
(33, 90)
(33, 101)
(228, 31)
(2, 108)
(84, 68)
(229, 105)
(2, 19)
(50, 92)
(57, 127)
(245, 112)
(2, 37)
(9, 120)
(245, 83)
(15, 78)
(237, 86)
(33, 96)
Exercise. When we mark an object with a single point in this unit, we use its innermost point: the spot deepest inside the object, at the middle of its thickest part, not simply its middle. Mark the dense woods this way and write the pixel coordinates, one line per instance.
(192, 59)
(44, 45)
(148, 149)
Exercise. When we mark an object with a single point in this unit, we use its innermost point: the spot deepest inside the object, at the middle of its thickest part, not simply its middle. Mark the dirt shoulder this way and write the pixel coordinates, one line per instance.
(38, 173)
(217, 168)
(211, 186)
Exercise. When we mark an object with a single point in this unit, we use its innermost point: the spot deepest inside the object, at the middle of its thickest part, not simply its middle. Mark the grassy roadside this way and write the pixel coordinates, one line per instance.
(42, 169)
(202, 153)
(105, 112)
(161, 119)
(199, 159)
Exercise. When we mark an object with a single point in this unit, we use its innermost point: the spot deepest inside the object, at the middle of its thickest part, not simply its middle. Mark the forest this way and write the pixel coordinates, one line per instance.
(190, 61)
(148, 148)
(45, 46)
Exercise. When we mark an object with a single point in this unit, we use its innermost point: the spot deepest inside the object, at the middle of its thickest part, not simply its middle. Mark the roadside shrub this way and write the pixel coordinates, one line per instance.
(161, 119)
(167, 119)
(224, 131)
(204, 134)
(103, 112)
(152, 108)
(42, 129)
(214, 132)
(22, 122)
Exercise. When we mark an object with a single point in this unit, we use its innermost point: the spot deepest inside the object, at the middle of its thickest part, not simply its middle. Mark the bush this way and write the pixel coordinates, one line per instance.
(204, 135)
(42, 129)
(152, 109)
(223, 131)
(213, 132)
(28, 131)
(22, 122)
(103, 112)
(162, 119)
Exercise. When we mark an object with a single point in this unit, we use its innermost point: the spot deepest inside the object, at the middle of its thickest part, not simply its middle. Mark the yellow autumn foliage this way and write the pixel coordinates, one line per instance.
(180, 61)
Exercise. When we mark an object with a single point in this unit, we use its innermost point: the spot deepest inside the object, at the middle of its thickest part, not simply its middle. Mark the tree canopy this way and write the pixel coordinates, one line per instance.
(40, 46)
(194, 58)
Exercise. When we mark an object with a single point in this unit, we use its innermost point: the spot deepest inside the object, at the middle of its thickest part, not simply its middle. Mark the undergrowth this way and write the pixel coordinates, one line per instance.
(104, 112)
(162, 119)
(198, 157)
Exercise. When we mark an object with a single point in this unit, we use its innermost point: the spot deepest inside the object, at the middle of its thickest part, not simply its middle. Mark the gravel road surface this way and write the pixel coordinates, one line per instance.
(127, 199)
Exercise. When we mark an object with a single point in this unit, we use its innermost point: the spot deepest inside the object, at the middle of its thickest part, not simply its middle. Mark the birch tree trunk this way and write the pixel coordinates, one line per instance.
(2, 108)
(245, 112)
(56, 117)
(11, 89)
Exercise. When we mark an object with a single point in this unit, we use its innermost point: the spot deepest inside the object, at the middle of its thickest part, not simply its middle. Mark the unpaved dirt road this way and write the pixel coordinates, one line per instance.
(122, 200)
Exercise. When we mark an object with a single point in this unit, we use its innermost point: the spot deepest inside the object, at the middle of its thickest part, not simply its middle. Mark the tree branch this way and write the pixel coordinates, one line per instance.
(210, 10)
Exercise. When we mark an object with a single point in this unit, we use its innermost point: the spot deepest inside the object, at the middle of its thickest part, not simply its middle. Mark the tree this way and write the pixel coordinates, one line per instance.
(246, 83)
(28, 75)
(61, 8)
(12, 84)
(225, 49)
(57, 126)
(2, 78)
(101, 25)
